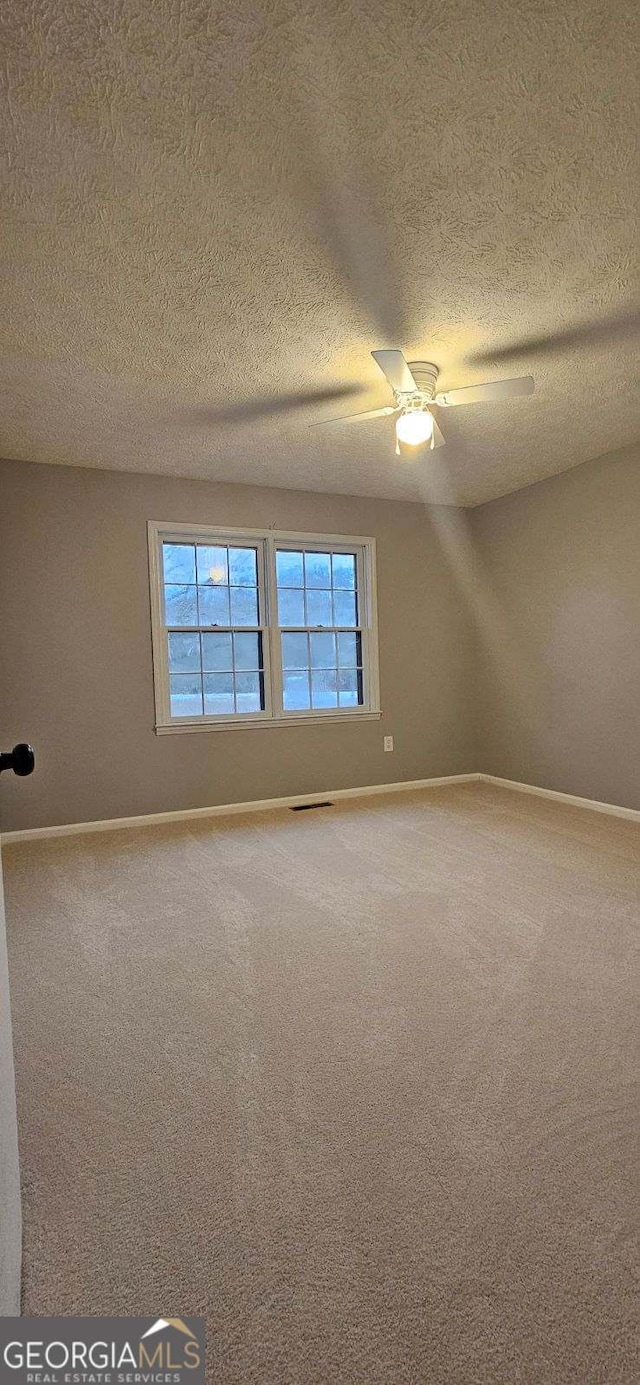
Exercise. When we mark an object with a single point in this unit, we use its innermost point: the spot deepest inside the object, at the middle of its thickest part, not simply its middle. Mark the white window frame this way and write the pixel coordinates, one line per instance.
(266, 541)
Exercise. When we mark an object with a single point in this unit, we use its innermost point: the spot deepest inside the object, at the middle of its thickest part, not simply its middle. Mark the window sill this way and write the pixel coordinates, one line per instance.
(181, 728)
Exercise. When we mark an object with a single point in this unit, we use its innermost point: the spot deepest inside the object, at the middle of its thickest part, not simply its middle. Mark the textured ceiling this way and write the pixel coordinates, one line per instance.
(209, 204)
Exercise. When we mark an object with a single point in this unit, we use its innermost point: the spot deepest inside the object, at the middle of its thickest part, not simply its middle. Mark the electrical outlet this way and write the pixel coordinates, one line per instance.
(388, 742)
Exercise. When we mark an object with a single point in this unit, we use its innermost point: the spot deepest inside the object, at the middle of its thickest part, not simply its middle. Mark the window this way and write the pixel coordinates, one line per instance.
(253, 628)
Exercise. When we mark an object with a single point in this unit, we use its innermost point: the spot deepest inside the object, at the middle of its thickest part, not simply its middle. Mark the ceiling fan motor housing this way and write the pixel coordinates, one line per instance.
(425, 375)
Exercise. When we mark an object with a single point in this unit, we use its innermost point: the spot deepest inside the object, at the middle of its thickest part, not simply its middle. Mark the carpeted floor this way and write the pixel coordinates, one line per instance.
(356, 1084)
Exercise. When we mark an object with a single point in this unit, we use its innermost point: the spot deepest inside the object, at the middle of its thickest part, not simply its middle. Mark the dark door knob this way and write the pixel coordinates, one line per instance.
(21, 759)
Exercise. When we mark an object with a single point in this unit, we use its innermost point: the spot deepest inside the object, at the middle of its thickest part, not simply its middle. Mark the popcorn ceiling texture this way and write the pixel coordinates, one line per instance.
(208, 204)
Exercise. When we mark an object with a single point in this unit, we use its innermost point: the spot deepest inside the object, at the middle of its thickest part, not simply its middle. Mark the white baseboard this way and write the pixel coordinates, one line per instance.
(614, 810)
(259, 805)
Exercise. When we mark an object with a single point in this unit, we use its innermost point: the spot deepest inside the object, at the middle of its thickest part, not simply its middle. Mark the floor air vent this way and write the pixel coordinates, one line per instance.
(306, 807)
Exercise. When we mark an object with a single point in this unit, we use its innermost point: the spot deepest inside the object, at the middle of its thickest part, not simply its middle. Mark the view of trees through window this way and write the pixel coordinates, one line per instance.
(213, 589)
(216, 621)
(318, 616)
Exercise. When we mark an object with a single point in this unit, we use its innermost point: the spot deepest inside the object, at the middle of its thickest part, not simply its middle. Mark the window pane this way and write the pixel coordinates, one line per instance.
(295, 651)
(242, 567)
(296, 692)
(323, 651)
(180, 606)
(319, 607)
(348, 650)
(244, 606)
(212, 565)
(186, 695)
(350, 687)
(217, 653)
(179, 562)
(317, 570)
(248, 697)
(218, 694)
(344, 570)
(324, 689)
(213, 603)
(184, 653)
(344, 608)
(246, 651)
(290, 607)
(289, 569)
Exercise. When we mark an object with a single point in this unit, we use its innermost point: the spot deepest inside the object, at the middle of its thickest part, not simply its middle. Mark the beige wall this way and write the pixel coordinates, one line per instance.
(560, 684)
(76, 674)
(10, 1213)
(509, 642)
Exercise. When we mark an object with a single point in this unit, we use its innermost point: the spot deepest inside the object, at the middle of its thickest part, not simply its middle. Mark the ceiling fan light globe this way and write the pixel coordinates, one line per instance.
(415, 428)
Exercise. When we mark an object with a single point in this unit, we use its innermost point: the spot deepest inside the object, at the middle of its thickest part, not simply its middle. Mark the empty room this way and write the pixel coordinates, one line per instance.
(319, 693)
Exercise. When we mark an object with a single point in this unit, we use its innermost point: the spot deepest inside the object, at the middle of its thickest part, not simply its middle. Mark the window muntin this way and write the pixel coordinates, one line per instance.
(252, 627)
(321, 643)
(211, 616)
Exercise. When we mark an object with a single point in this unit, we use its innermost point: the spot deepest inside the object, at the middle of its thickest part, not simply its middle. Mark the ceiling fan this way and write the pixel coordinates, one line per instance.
(414, 388)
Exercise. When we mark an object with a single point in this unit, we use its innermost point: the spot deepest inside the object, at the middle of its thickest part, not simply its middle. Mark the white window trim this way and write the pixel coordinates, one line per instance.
(266, 541)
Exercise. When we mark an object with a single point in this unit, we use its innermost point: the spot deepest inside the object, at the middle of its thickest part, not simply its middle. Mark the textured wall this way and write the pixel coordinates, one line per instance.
(208, 203)
(76, 676)
(560, 684)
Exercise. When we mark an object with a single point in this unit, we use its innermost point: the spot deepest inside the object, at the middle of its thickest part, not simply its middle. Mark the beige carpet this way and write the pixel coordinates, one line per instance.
(356, 1084)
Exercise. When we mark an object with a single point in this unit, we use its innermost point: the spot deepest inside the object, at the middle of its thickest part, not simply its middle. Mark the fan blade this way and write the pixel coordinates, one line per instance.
(477, 394)
(357, 418)
(438, 437)
(394, 366)
(614, 330)
(251, 409)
